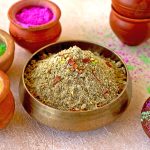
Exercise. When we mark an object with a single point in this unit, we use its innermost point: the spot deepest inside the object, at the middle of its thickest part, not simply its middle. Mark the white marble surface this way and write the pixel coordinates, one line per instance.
(86, 20)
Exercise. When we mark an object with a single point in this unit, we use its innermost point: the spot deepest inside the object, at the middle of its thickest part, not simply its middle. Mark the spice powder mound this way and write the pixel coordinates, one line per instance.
(75, 79)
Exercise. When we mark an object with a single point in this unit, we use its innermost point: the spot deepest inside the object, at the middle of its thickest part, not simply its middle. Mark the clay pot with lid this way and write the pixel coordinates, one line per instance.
(7, 105)
(129, 31)
(35, 37)
(132, 8)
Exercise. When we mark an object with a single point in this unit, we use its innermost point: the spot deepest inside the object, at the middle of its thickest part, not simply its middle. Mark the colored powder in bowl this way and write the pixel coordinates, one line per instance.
(2, 48)
(34, 16)
(145, 117)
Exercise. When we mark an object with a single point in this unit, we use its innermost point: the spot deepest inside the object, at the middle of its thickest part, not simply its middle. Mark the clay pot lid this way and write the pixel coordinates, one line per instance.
(16, 7)
(147, 20)
(10, 46)
(138, 5)
(4, 85)
(145, 117)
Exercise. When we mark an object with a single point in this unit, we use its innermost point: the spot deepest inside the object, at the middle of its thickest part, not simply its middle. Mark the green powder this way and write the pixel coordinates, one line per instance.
(130, 67)
(2, 48)
(148, 89)
(145, 116)
(145, 59)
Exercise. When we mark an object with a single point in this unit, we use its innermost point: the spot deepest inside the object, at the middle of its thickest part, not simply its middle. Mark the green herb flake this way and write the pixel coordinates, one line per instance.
(145, 116)
(130, 67)
(145, 59)
(148, 89)
(134, 49)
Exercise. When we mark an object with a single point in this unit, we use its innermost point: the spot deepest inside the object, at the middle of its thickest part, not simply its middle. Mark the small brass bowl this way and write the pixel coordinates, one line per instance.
(75, 120)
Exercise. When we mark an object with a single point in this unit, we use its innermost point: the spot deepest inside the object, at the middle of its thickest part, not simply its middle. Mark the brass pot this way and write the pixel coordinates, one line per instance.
(78, 120)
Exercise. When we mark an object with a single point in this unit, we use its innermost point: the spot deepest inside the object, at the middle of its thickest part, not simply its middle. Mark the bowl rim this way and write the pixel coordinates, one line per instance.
(136, 20)
(51, 5)
(126, 6)
(6, 85)
(10, 114)
(10, 46)
(55, 110)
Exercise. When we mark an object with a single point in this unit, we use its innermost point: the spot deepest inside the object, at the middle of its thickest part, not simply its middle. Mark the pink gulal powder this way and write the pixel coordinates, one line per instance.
(34, 16)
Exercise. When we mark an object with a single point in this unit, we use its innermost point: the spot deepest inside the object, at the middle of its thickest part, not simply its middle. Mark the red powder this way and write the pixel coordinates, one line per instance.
(34, 16)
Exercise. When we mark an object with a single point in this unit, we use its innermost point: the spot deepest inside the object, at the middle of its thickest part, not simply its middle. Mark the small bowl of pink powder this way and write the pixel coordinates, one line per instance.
(34, 24)
(34, 16)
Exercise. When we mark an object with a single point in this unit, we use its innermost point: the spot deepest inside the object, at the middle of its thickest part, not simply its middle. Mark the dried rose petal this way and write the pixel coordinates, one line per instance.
(108, 64)
(56, 80)
(145, 117)
(75, 66)
(106, 92)
(71, 61)
(86, 60)
(94, 73)
(43, 56)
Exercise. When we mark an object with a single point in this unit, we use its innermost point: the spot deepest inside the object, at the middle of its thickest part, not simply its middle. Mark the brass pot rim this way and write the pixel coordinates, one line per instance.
(57, 111)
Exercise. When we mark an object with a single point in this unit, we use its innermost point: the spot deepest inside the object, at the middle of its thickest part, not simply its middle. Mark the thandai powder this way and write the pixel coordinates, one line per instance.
(2, 48)
(34, 16)
(75, 79)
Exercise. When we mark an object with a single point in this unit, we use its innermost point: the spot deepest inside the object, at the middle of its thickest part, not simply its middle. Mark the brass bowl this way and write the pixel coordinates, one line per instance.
(75, 120)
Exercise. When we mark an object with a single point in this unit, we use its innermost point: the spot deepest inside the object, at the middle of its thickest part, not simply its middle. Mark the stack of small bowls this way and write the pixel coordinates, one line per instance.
(130, 20)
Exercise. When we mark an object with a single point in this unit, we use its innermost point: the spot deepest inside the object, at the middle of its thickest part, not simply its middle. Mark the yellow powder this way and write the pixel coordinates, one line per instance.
(1, 85)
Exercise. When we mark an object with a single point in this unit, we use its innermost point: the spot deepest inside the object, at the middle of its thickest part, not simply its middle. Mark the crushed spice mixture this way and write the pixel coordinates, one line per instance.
(75, 79)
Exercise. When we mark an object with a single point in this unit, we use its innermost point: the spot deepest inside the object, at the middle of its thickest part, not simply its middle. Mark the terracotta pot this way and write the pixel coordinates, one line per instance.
(130, 31)
(7, 104)
(132, 8)
(35, 37)
(7, 58)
